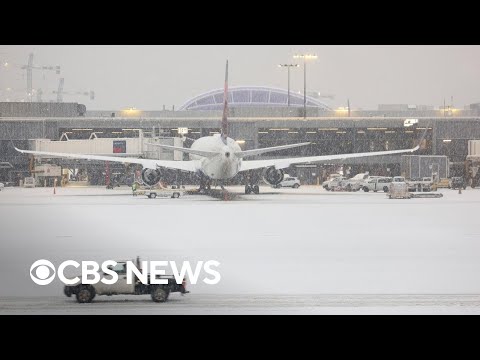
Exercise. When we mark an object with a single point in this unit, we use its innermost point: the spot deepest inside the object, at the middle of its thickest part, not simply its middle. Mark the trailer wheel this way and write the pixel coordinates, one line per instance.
(256, 189)
(175, 195)
(366, 189)
(85, 294)
(153, 195)
(159, 294)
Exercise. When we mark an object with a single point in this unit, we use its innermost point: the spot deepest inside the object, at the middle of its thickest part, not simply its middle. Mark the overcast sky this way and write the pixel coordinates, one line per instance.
(148, 77)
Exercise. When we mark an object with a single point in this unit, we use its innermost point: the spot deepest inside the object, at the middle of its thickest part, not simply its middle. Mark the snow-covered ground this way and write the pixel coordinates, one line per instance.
(248, 304)
(273, 248)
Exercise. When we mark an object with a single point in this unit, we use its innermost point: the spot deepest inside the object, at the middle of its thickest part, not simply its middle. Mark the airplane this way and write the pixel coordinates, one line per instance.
(219, 158)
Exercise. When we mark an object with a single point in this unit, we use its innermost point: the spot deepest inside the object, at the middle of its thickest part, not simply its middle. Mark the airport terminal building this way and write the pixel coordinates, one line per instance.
(258, 117)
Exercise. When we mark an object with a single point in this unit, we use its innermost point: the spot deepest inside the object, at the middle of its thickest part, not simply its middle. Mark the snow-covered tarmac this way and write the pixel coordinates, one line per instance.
(198, 304)
(273, 248)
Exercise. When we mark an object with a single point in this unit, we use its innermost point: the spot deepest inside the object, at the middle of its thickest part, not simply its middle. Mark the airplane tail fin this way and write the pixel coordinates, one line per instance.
(422, 138)
(225, 108)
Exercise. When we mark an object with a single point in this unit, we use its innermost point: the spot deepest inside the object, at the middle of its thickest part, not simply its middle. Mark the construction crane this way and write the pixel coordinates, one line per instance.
(60, 92)
(30, 67)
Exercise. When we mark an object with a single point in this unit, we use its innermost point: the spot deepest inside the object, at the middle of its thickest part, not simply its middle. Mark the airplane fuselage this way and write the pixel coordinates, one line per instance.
(223, 166)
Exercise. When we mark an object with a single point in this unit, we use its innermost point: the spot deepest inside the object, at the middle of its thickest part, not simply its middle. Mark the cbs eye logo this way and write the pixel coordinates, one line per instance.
(42, 272)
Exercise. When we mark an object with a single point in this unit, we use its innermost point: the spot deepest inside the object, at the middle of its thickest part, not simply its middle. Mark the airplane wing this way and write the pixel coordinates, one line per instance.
(146, 163)
(203, 153)
(284, 163)
(246, 153)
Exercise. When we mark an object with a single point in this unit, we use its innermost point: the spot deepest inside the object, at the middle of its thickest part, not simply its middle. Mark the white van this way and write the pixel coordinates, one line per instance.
(377, 184)
(29, 182)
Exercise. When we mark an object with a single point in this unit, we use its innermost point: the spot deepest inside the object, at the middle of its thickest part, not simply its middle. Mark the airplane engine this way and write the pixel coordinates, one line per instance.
(273, 176)
(151, 177)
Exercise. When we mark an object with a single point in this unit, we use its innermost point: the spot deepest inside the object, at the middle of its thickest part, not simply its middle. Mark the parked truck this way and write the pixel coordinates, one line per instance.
(472, 164)
(375, 184)
(423, 184)
(159, 191)
(158, 292)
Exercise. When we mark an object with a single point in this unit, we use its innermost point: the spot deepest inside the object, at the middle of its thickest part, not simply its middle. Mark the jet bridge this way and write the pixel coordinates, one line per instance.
(99, 172)
(122, 146)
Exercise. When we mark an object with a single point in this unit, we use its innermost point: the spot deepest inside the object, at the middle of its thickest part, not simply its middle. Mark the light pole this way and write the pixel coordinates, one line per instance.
(288, 66)
(305, 57)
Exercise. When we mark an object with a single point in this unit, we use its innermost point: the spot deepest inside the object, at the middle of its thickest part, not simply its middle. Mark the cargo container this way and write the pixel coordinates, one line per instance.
(420, 166)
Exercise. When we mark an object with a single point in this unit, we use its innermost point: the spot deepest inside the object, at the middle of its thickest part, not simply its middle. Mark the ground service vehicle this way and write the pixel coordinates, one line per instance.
(356, 183)
(472, 164)
(29, 182)
(419, 185)
(377, 184)
(289, 181)
(457, 183)
(331, 184)
(399, 190)
(152, 193)
(158, 292)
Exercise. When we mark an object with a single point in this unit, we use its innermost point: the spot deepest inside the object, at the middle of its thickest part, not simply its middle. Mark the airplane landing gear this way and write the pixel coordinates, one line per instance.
(251, 185)
(249, 188)
(205, 186)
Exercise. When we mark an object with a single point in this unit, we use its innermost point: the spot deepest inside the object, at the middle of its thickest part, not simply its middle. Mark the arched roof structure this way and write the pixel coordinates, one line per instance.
(250, 96)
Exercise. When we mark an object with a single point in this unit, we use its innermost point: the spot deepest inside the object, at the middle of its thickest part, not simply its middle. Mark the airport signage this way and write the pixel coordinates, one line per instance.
(119, 146)
(410, 122)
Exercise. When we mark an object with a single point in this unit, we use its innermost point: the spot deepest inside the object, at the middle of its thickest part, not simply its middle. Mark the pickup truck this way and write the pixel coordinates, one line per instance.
(377, 184)
(158, 292)
(333, 183)
(356, 183)
(174, 192)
